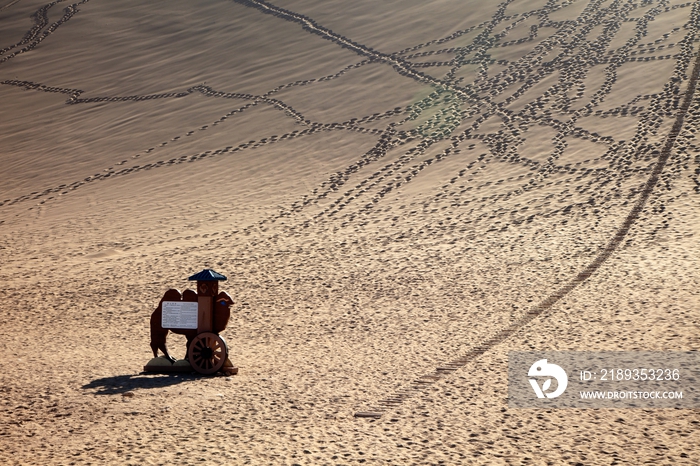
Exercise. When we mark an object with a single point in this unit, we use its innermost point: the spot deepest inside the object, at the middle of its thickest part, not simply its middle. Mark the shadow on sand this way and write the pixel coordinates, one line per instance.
(145, 380)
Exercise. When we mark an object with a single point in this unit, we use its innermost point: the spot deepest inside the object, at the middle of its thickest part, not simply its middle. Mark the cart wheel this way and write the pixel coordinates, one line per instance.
(207, 353)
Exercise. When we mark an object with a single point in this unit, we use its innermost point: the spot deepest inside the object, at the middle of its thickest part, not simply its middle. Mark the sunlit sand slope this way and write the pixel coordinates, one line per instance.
(399, 194)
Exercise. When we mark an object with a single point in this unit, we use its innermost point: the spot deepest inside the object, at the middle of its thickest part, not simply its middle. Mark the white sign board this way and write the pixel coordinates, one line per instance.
(179, 314)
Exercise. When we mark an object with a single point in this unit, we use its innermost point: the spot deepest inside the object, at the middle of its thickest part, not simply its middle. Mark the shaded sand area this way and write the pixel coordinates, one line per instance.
(390, 189)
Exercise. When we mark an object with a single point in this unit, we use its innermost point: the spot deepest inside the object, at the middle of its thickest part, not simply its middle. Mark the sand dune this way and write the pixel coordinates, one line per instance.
(399, 194)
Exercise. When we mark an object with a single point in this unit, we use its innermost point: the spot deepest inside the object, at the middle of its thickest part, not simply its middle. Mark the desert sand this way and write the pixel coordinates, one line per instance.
(400, 193)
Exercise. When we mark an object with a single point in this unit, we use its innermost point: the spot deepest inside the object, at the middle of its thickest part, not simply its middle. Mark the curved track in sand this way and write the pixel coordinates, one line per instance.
(541, 308)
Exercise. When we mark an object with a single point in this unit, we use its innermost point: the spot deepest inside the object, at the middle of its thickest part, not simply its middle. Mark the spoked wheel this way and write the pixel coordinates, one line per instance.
(207, 353)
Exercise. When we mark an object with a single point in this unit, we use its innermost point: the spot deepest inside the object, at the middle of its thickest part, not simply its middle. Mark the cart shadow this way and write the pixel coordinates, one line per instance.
(124, 383)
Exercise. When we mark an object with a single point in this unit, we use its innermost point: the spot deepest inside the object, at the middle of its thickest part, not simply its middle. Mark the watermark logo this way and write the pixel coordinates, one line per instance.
(542, 368)
(603, 379)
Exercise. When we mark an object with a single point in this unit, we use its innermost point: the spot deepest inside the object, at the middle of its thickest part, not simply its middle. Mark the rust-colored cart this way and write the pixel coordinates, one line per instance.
(200, 316)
